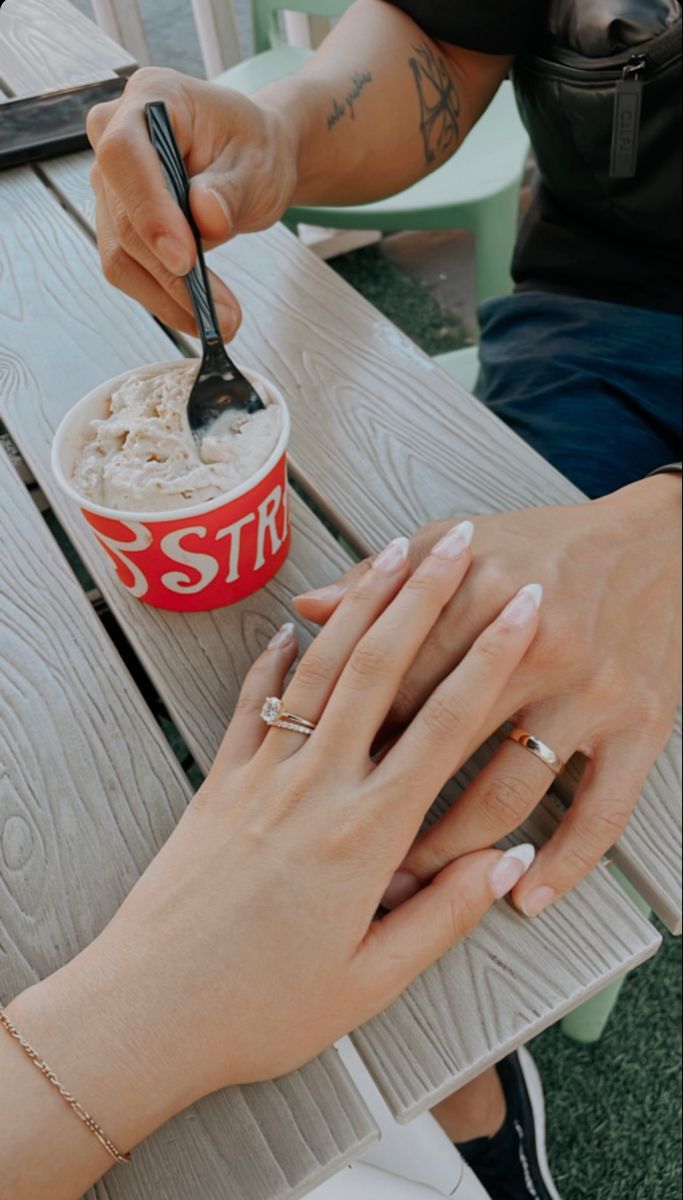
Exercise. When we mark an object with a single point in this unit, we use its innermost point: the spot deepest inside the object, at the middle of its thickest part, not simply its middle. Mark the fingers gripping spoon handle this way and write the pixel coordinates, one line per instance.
(220, 386)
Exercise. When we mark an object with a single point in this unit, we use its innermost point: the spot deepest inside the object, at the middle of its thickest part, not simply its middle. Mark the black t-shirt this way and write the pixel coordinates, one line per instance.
(491, 26)
(578, 238)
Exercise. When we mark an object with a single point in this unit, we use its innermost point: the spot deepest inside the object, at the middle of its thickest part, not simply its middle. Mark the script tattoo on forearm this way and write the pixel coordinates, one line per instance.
(359, 82)
(439, 103)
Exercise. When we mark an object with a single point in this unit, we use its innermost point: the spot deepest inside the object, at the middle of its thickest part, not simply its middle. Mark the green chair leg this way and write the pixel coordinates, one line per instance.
(461, 365)
(494, 223)
(588, 1022)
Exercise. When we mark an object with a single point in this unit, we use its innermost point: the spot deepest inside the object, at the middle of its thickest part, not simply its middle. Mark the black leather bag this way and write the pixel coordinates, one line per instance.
(604, 28)
(601, 99)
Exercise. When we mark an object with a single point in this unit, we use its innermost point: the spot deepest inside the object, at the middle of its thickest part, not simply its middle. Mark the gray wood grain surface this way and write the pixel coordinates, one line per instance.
(89, 790)
(345, 360)
(498, 988)
(49, 44)
(198, 660)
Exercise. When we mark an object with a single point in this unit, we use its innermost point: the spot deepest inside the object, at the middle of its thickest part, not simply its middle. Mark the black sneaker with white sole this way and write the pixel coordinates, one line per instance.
(513, 1165)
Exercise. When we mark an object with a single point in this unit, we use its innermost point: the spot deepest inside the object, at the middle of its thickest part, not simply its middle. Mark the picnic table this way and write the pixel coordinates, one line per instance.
(90, 786)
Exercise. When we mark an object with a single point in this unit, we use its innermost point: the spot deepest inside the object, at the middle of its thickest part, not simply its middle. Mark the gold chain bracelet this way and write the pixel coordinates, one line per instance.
(49, 1074)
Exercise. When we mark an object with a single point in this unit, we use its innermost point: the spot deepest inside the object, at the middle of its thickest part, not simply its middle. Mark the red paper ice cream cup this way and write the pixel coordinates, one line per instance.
(205, 556)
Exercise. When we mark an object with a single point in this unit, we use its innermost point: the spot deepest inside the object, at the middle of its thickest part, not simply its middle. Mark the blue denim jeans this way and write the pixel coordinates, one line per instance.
(594, 387)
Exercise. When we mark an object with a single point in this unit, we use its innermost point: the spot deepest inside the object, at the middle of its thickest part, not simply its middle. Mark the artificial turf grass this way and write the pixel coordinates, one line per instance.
(614, 1108)
(397, 295)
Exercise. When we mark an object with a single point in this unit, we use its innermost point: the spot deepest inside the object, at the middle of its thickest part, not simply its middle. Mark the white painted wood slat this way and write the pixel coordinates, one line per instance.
(499, 988)
(49, 44)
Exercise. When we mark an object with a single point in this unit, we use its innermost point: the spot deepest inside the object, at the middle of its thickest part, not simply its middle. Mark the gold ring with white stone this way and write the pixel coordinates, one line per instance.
(275, 715)
(538, 748)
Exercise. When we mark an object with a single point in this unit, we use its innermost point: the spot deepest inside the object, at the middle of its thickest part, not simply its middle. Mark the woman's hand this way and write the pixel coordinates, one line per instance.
(241, 158)
(249, 944)
(603, 676)
(307, 832)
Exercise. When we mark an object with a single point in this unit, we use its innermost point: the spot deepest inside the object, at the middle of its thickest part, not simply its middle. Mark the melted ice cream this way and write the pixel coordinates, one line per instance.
(142, 457)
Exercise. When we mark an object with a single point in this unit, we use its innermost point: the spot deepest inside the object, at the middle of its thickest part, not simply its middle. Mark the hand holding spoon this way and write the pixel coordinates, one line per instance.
(220, 387)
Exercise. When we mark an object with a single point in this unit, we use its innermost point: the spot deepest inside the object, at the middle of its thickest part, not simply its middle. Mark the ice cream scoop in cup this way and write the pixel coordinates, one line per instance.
(184, 530)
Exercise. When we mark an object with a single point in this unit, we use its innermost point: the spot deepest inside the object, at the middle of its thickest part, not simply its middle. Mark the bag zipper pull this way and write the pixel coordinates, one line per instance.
(626, 125)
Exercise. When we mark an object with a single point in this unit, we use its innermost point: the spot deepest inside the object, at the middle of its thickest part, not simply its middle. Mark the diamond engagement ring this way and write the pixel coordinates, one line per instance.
(538, 748)
(277, 717)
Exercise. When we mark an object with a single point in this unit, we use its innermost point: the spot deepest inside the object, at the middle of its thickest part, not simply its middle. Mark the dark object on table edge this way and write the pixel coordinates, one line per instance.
(34, 128)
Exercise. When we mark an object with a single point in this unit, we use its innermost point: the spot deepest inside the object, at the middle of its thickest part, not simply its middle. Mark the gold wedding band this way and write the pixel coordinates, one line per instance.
(538, 748)
(275, 715)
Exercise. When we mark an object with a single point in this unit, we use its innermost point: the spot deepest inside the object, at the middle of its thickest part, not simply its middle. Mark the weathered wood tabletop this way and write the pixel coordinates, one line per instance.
(366, 404)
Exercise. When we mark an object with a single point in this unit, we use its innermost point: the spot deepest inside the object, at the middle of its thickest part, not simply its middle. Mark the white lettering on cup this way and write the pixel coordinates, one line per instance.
(267, 512)
(234, 532)
(179, 581)
(142, 539)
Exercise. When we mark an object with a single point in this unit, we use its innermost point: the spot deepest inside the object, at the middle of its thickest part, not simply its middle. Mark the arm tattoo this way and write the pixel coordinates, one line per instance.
(359, 82)
(439, 103)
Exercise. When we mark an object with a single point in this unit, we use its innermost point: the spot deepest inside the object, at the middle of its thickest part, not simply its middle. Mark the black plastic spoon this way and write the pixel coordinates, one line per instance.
(220, 387)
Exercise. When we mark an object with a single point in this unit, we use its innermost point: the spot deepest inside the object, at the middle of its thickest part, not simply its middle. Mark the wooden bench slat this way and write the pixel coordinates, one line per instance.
(197, 660)
(472, 1004)
(49, 44)
(501, 987)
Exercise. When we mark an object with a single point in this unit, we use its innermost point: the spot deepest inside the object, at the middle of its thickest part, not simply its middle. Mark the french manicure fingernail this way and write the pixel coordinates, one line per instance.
(455, 542)
(392, 557)
(509, 869)
(284, 637)
(227, 317)
(222, 204)
(524, 606)
(174, 255)
(332, 592)
(402, 887)
(537, 900)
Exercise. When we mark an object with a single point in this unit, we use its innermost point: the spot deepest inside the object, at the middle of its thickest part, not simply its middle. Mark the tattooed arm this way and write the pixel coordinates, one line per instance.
(380, 105)
(376, 108)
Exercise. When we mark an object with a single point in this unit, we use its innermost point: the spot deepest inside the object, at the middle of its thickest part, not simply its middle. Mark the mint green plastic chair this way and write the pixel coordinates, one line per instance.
(478, 189)
(461, 365)
(588, 1022)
